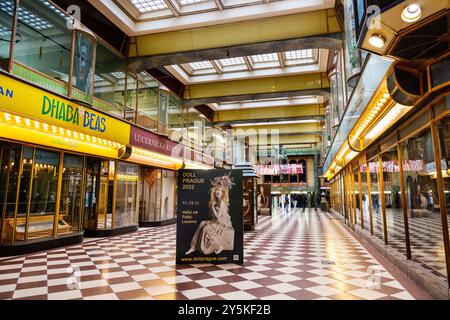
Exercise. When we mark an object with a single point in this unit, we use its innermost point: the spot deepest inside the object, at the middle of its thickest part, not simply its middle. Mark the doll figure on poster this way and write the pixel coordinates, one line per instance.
(216, 234)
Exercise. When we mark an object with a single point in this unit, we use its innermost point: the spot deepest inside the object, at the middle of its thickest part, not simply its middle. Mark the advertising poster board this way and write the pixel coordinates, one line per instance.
(264, 199)
(209, 217)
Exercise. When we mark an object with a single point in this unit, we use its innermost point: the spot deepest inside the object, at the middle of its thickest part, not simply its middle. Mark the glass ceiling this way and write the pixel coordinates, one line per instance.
(181, 7)
(255, 62)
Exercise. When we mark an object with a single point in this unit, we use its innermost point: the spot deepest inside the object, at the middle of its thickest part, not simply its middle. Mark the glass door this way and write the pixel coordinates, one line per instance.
(99, 191)
(90, 201)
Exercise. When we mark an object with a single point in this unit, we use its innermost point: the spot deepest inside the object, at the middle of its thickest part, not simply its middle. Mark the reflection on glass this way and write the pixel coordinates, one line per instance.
(109, 79)
(419, 170)
(377, 218)
(357, 200)
(70, 205)
(43, 195)
(393, 200)
(9, 173)
(365, 197)
(130, 107)
(168, 195)
(444, 142)
(127, 189)
(148, 103)
(43, 44)
(150, 203)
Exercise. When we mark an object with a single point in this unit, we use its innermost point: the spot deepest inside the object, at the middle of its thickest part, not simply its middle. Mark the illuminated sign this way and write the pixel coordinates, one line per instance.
(153, 142)
(270, 169)
(22, 99)
(392, 166)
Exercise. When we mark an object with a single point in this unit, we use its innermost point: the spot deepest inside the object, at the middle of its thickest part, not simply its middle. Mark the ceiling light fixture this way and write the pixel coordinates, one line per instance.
(377, 40)
(412, 13)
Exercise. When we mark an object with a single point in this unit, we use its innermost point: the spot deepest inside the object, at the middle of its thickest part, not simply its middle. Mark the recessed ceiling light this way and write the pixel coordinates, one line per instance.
(412, 13)
(377, 40)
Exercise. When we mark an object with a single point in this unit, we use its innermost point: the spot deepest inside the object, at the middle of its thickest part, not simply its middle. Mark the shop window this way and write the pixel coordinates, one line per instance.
(43, 46)
(168, 195)
(444, 142)
(357, 200)
(150, 196)
(127, 195)
(365, 205)
(71, 196)
(10, 156)
(45, 169)
(375, 196)
(6, 14)
(393, 200)
(421, 192)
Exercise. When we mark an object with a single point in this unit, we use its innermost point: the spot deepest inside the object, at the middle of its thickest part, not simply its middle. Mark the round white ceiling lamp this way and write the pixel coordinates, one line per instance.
(412, 13)
(377, 40)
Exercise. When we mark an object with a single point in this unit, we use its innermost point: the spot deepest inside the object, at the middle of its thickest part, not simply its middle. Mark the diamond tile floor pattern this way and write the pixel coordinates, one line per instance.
(295, 256)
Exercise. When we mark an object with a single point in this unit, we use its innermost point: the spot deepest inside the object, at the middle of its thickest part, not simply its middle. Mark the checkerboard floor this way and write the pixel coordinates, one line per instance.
(297, 256)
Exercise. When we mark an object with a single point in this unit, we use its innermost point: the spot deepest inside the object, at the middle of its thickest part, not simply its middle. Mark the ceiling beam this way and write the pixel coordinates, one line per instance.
(272, 120)
(327, 41)
(267, 95)
(219, 4)
(173, 7)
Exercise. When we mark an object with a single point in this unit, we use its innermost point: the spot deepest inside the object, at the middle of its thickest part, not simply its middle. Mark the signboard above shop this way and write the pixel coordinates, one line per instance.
(150, 141)
(28, 101)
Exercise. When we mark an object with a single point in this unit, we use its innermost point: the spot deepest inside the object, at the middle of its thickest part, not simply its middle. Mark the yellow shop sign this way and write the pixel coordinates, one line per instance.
(25, 100)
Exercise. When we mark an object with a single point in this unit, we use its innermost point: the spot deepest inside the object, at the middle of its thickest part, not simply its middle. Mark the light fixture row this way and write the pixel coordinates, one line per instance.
(51, 129)
(410, 14)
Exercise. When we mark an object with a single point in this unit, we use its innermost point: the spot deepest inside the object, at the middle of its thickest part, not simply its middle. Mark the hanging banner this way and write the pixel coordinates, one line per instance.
(264, 199)
(209, 217)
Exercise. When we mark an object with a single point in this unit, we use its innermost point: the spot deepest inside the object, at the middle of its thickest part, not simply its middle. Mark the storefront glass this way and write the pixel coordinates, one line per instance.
(150, 203)
(9, 173)
(443, 127)
(377, 215)
(71, 191)
(393, 200)
(357, 200)
(365, 197)
(43, 195)
(168, 195)
(419, 171)
(127, 195)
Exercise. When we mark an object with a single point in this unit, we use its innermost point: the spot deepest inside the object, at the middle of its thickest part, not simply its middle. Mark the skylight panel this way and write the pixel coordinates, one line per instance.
(202, 65)
(299, 54)
(118, 75)
(232, 62)
(188, 2)
(267, 57)
(26, 17)
(269, 60)
(149, 5)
